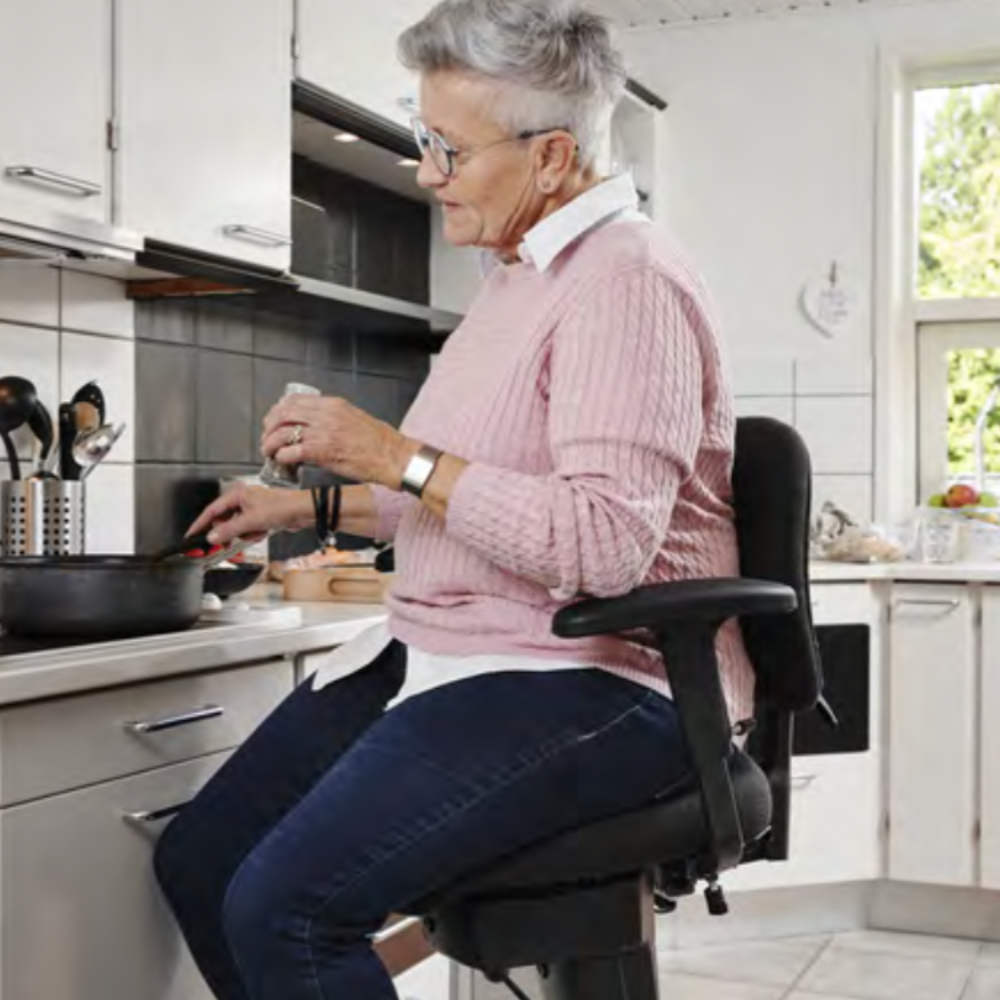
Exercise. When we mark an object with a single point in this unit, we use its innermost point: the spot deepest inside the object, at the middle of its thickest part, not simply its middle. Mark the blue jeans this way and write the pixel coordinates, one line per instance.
(335, 812)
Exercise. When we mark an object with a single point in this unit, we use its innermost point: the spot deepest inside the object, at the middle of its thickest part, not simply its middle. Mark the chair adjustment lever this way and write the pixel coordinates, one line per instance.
(828, 714)
(514, 988)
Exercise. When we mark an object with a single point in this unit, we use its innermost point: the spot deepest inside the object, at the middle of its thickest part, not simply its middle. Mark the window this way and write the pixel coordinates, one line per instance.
(957, 147)
(958, 150)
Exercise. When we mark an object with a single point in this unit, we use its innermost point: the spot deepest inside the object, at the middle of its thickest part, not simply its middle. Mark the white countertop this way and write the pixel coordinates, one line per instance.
(50, 673)
(961, 572)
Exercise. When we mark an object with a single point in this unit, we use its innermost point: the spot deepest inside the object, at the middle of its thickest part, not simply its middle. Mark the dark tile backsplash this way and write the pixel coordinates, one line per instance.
(209, 369)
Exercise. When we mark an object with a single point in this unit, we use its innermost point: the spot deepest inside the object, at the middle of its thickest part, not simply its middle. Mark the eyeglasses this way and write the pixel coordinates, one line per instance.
(445, 156)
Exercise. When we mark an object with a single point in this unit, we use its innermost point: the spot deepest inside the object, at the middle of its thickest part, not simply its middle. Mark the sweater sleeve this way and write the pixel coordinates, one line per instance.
(390, 506)
(624, 424)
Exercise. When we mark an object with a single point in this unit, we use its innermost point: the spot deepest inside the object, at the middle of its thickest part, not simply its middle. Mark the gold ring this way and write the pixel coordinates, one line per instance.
(295, 435)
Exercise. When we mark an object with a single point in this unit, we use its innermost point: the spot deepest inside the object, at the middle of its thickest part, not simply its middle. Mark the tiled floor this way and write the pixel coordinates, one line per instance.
(861, 965)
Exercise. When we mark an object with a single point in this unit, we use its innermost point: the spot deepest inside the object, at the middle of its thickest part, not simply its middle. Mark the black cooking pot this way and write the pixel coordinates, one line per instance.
(98, 597)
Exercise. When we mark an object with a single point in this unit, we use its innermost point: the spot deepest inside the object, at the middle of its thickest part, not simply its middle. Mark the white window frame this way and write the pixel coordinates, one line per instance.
(898, 314)
(934, 340)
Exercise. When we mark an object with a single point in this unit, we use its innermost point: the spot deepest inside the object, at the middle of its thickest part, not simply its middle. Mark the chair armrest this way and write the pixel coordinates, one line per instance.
(712, 600)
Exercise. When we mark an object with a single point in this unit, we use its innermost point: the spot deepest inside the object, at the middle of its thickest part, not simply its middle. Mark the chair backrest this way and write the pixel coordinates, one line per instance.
(771, 493)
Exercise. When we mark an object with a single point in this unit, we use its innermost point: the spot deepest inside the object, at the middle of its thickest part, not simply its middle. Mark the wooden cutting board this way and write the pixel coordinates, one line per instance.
(356, 585)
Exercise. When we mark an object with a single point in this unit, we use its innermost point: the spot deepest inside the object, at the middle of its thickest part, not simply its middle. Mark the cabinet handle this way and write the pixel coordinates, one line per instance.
(35, 175)
(928, 602)
(146, 817)
(173, 721)
(801, 783)
(254, 235)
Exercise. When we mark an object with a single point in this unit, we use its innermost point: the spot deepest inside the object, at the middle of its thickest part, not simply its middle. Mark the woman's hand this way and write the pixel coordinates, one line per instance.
(251, 512)
(337, 436)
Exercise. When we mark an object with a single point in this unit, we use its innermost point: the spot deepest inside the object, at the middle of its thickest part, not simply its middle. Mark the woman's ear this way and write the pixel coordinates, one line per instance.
(555, 159)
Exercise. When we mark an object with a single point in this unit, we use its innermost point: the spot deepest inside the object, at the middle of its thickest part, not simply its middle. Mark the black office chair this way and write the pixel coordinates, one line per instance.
(580, 906)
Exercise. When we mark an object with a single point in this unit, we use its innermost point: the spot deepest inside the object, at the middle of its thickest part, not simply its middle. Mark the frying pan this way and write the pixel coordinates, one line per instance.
(105, 597)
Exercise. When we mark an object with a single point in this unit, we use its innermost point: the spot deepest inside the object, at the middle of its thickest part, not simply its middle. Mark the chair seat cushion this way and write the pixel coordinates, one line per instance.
(670, 828)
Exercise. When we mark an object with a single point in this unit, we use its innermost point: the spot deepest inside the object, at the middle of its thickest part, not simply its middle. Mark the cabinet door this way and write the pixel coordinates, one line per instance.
(81, 915)
(355, 57)
(932, 767)
(989, 775)
(55, 74)
(205, 145)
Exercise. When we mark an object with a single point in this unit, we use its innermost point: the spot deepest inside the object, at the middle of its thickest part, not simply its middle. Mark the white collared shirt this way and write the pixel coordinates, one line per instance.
(613, 200)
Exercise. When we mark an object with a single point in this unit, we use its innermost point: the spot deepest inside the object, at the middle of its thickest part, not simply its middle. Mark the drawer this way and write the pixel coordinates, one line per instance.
(65, 743)
(82, 915)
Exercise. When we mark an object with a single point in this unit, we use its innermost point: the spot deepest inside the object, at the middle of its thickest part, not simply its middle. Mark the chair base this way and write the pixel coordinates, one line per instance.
(558, 929)
(628, 976)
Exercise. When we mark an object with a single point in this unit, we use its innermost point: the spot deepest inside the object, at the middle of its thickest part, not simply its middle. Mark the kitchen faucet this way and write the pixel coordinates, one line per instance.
(984, 414)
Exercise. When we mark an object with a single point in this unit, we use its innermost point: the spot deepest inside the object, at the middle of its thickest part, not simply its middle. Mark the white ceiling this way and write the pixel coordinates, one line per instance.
(652, 13)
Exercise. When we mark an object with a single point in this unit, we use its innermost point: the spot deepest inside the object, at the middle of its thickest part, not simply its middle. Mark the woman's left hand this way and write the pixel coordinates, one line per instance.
(337, 436)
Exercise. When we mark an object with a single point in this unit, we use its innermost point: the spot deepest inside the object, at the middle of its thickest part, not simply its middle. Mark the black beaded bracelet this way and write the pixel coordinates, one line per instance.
(338, 498)
(321, 507)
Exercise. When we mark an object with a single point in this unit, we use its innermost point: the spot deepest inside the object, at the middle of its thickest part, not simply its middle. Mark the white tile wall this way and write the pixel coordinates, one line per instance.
(852, 494)
(96, 305)
(29, 293)
(838, 432)
(61, 329)
(762, 376)
(33, 353)
(850, 375)
(111, 361)
(780, 407)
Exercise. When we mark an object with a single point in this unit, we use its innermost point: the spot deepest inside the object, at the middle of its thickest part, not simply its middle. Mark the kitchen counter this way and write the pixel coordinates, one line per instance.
(287, 629)
(960, 572)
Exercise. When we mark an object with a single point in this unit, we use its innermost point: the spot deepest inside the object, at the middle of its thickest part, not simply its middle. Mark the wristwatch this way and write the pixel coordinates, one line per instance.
(419, 469)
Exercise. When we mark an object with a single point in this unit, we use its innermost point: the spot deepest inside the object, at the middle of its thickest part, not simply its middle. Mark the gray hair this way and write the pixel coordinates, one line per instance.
(557, 63)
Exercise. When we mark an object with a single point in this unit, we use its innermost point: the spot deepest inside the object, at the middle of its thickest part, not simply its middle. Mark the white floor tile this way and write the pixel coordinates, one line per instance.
(985, 984)
(922, 945)
(802, 995)
(871, 975)
(677, 986)
(990, 953)
(769, 963)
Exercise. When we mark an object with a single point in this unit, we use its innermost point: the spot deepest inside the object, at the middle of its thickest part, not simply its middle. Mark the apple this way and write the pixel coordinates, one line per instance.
(988, 500)
(961, 495)
(937, 500)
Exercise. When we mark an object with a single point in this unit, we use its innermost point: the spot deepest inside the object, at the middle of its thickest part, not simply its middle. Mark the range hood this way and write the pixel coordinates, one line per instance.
(68, 239)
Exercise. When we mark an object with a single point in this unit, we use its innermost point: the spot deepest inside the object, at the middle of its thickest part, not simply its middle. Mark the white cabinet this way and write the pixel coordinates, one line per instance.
(81, 913)
(55, 75)
(989, 771)
(354, 57)
(204, 158)
(932, 771)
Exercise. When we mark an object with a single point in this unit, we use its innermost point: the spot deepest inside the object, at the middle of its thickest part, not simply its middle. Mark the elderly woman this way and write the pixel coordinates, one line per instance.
(574, 439)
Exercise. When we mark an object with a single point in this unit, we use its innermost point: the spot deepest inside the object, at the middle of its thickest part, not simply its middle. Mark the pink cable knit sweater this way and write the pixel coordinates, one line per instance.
(592, 404)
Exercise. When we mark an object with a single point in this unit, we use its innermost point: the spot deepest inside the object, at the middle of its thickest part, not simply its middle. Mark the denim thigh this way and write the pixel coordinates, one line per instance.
(443, 783)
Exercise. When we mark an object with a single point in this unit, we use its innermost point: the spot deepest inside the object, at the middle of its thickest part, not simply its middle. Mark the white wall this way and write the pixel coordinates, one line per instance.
(61, 329)
(770, 174)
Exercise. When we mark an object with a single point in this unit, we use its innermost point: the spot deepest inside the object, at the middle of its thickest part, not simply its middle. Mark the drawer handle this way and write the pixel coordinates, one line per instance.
(253, 234)
(146, 817)
(945, 605)
(36, 175)
(801, 783)
(174, 721)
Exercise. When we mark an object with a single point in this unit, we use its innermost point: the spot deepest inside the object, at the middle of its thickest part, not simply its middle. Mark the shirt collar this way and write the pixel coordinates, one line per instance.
(544, 242)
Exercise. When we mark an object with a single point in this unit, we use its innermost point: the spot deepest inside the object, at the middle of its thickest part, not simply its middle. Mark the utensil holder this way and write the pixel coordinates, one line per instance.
(42, 517)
